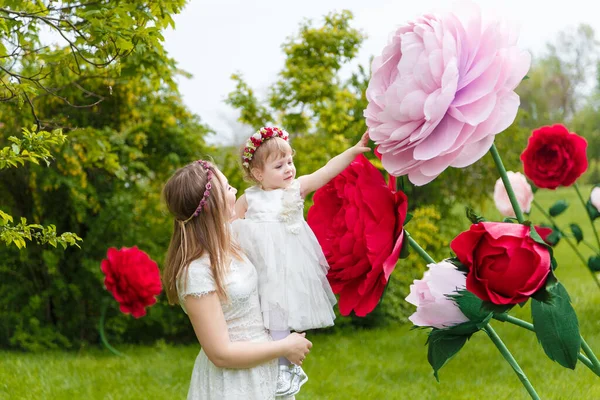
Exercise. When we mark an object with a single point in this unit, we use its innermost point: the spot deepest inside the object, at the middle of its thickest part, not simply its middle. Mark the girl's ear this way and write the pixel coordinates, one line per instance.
(256, 173)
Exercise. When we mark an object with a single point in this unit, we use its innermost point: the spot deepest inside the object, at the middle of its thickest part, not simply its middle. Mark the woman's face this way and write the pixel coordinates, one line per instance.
(230, 193)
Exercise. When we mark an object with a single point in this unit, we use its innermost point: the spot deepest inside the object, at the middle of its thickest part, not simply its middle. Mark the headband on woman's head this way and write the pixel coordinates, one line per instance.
(204, 201)
(258, 138)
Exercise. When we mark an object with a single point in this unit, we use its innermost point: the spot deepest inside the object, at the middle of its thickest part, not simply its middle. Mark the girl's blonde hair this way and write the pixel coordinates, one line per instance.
(206, 233)
(272, 148)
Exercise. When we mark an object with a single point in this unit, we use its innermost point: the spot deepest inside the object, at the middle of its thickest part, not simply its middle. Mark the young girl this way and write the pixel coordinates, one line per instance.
(216, 285)
(292, 283)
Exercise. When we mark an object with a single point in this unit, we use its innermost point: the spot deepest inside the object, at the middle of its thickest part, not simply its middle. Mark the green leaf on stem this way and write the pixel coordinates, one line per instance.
(577, 233)
(473, 216)
(556, 326)
(594, 263)
(544, 293)
(456, 262)
(591, 210)
(558, 208)
(405, 249)
(554, 237)
(470, 305)
(442, 347)
(407, 219)
(476, 309)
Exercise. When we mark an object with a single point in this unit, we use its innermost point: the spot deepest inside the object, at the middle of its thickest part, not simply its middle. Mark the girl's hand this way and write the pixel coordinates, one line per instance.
(297, 347)
(362, 145)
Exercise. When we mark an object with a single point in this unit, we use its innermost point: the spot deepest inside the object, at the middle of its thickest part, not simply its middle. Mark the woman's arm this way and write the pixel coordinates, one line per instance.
(319, 178)
(207, 318)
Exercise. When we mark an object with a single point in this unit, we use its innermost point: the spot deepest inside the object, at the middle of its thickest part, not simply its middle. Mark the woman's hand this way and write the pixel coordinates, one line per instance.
(297, 347)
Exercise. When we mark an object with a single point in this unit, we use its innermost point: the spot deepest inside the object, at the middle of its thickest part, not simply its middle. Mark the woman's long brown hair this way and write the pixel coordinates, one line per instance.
(206, 233)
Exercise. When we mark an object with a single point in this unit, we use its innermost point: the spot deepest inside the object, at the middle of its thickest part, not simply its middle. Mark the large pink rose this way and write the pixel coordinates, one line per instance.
(358, 221)
(441, 90)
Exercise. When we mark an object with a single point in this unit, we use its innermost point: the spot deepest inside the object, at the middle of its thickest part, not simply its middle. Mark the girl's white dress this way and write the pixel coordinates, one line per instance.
(292, 284)
(244, 322)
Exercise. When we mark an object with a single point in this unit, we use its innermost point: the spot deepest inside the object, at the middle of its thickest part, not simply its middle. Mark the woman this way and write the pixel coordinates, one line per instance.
(216, 285)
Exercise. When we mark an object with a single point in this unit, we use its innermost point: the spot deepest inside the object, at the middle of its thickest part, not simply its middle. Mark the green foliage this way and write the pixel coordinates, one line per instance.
(556, 326)
(34, 146)
(95, 37)
(558, 208)
(104, 184)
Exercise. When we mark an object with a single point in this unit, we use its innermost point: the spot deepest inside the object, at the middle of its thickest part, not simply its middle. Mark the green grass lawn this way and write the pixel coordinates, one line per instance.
(378, 364)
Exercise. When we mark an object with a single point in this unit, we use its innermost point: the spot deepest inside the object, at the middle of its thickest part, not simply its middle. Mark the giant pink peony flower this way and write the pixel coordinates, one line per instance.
(441, 90)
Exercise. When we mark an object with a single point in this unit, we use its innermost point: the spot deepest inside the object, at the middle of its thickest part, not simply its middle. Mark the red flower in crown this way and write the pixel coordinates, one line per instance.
(258, 138)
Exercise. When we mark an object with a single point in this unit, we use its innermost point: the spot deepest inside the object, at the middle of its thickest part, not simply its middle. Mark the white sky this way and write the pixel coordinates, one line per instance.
(216, 38)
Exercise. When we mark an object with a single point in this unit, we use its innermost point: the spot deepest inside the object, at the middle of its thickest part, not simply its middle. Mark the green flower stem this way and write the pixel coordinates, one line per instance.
(589, 246)
(583, 202)
(101, 330)
(418, 248)
(569, 242)
(523, 324)
(507, 185)
(588, 350)
(511, 360)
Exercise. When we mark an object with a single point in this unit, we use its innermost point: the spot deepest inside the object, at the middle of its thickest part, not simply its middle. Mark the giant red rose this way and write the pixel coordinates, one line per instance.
(358, 221)
(506, 266)
(132, 278)
(554, 157)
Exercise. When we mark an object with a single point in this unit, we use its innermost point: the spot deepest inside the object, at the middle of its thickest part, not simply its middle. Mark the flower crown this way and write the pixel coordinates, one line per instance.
(258, 138)
(204, 201)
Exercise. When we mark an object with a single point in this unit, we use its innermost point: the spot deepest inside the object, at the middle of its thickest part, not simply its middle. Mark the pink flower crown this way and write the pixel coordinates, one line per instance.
(258, 138)
(204, 201)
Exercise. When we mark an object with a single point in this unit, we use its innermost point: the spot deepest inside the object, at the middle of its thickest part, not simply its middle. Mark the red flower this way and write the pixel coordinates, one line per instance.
(358, 221)
(132, 278)
(545, 233)
(554, 157)
(506, 266)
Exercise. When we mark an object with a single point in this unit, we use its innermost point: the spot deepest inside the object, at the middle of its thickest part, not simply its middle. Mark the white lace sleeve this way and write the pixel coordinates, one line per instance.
(199, 282)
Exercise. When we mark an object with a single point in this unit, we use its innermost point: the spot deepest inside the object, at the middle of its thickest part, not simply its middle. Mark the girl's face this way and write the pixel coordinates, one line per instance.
(278, 173)
(230, 192)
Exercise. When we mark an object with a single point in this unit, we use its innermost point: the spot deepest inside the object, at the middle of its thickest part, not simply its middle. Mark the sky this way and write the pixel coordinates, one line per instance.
(213, 39)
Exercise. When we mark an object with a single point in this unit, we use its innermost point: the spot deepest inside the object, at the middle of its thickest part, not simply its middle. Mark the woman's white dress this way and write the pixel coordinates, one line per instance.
(244, 322)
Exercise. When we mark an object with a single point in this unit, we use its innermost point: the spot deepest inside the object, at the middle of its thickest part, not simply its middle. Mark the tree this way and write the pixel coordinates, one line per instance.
(558, 84)
(94, 37)
(105, 183)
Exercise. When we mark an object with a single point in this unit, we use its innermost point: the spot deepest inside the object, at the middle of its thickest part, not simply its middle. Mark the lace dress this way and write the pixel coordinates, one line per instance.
(244, 322)
(292, 284)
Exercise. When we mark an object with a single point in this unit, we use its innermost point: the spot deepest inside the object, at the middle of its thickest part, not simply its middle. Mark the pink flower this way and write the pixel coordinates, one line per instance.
(522, 190)
(434, 308)
(595, 198)
(441, 90)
